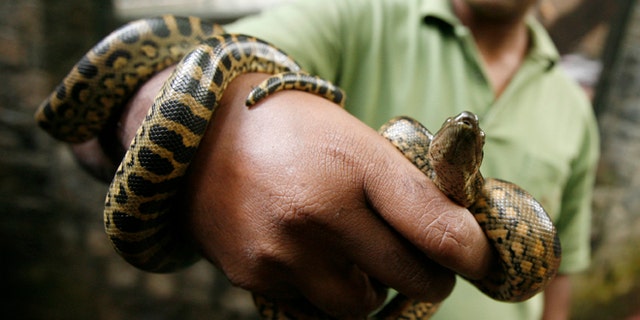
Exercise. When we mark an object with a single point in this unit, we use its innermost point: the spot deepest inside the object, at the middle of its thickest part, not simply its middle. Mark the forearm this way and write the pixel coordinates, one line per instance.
(557, 299)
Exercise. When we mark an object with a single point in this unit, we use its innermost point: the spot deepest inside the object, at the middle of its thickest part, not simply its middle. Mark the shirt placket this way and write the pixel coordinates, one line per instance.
(483, 97)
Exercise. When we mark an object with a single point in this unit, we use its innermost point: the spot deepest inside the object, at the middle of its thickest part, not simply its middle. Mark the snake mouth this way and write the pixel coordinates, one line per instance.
(459, 143)
(467, 119)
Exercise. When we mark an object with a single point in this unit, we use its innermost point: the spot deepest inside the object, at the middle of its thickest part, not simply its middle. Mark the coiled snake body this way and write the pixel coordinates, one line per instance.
(138, 209)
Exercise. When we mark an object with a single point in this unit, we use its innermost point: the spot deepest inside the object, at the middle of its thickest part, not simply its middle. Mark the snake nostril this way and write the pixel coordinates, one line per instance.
(467, 118)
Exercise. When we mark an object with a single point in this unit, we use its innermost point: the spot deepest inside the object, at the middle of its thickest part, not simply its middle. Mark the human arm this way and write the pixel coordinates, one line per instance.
(574, 224)
(290, 197)
(557, 298)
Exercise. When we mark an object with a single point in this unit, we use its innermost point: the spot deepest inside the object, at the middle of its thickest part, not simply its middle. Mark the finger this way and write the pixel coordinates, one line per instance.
(323, 274)
(337, 287)
(311, 271)
(384, 255)
(412, 205)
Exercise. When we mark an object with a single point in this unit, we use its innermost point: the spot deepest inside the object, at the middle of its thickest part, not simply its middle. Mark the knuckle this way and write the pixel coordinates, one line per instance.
(303, 205)
(438, 287)
(426, 280)
(442, 234)
(454, 239)
(355, 296)
(260, 268)
(438, 236)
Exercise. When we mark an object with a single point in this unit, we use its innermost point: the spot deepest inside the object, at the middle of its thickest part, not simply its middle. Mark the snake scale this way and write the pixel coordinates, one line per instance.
(139, 218)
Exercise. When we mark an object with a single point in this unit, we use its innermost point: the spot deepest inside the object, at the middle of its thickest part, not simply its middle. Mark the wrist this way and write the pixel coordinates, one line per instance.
(137, 108)
(102, 155)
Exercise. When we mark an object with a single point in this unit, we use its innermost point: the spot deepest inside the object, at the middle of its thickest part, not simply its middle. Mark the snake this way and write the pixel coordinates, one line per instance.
(140, 217)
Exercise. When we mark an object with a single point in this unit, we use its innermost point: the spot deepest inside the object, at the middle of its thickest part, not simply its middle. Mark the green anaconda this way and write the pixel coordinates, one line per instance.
(138, 212)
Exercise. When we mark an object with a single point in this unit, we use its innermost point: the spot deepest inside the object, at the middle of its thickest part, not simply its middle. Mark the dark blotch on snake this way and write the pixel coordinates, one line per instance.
(272, 83)
(218, 77)
(180, 113)
(339, 98)
(122, 196)
(102, 47)
(159, 27)
(115, 56)
(207, 28)
(128, 223)
(131, 224)
(77, 89)
(234, 52)
(130, 36)
(61, 92)
(86, 68)
(247, 51)
(172, 141)
(145, 188)
(184, 27)
(154, 162)
(184, 83)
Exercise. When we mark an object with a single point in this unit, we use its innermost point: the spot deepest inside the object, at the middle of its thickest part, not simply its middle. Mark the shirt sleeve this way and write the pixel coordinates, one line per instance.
(309, 31)
(574, 224)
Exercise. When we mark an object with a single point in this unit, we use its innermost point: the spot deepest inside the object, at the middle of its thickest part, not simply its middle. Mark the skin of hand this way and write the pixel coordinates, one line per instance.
(298, 200)
(557, 298)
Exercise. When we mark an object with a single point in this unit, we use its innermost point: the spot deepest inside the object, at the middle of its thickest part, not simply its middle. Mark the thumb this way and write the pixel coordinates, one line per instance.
(446, 232)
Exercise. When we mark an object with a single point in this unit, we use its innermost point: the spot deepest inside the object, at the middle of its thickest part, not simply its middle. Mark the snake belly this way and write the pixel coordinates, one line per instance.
(517, 226)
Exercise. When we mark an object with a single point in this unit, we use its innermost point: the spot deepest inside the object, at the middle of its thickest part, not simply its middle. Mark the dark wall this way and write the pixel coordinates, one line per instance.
(56, 260)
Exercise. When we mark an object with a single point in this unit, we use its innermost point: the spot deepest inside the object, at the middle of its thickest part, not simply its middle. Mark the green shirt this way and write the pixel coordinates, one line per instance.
(415, 58)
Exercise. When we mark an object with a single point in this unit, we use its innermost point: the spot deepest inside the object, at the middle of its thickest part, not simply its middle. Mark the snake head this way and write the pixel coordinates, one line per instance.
(455, 156)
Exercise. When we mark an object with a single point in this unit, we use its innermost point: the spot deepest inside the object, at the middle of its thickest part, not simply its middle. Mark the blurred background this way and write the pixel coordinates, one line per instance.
(57, 262)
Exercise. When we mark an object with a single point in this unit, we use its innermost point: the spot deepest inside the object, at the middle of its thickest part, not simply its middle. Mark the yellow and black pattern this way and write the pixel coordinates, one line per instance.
(515, 223)
(403, 308)
(143, 189)
(139, 209)
(296, 81)
(140, 216)
(101, 82)
(525, 238)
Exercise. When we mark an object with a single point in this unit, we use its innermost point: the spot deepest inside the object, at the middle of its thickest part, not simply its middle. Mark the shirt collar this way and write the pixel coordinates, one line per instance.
(439, 9)
(542, 47)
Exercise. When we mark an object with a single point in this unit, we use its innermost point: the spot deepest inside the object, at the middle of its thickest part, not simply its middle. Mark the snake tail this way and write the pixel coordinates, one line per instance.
(105, 78)
(296, 81)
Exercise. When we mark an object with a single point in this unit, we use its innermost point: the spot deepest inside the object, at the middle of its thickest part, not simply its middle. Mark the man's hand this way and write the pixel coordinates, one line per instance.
(296, 199)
